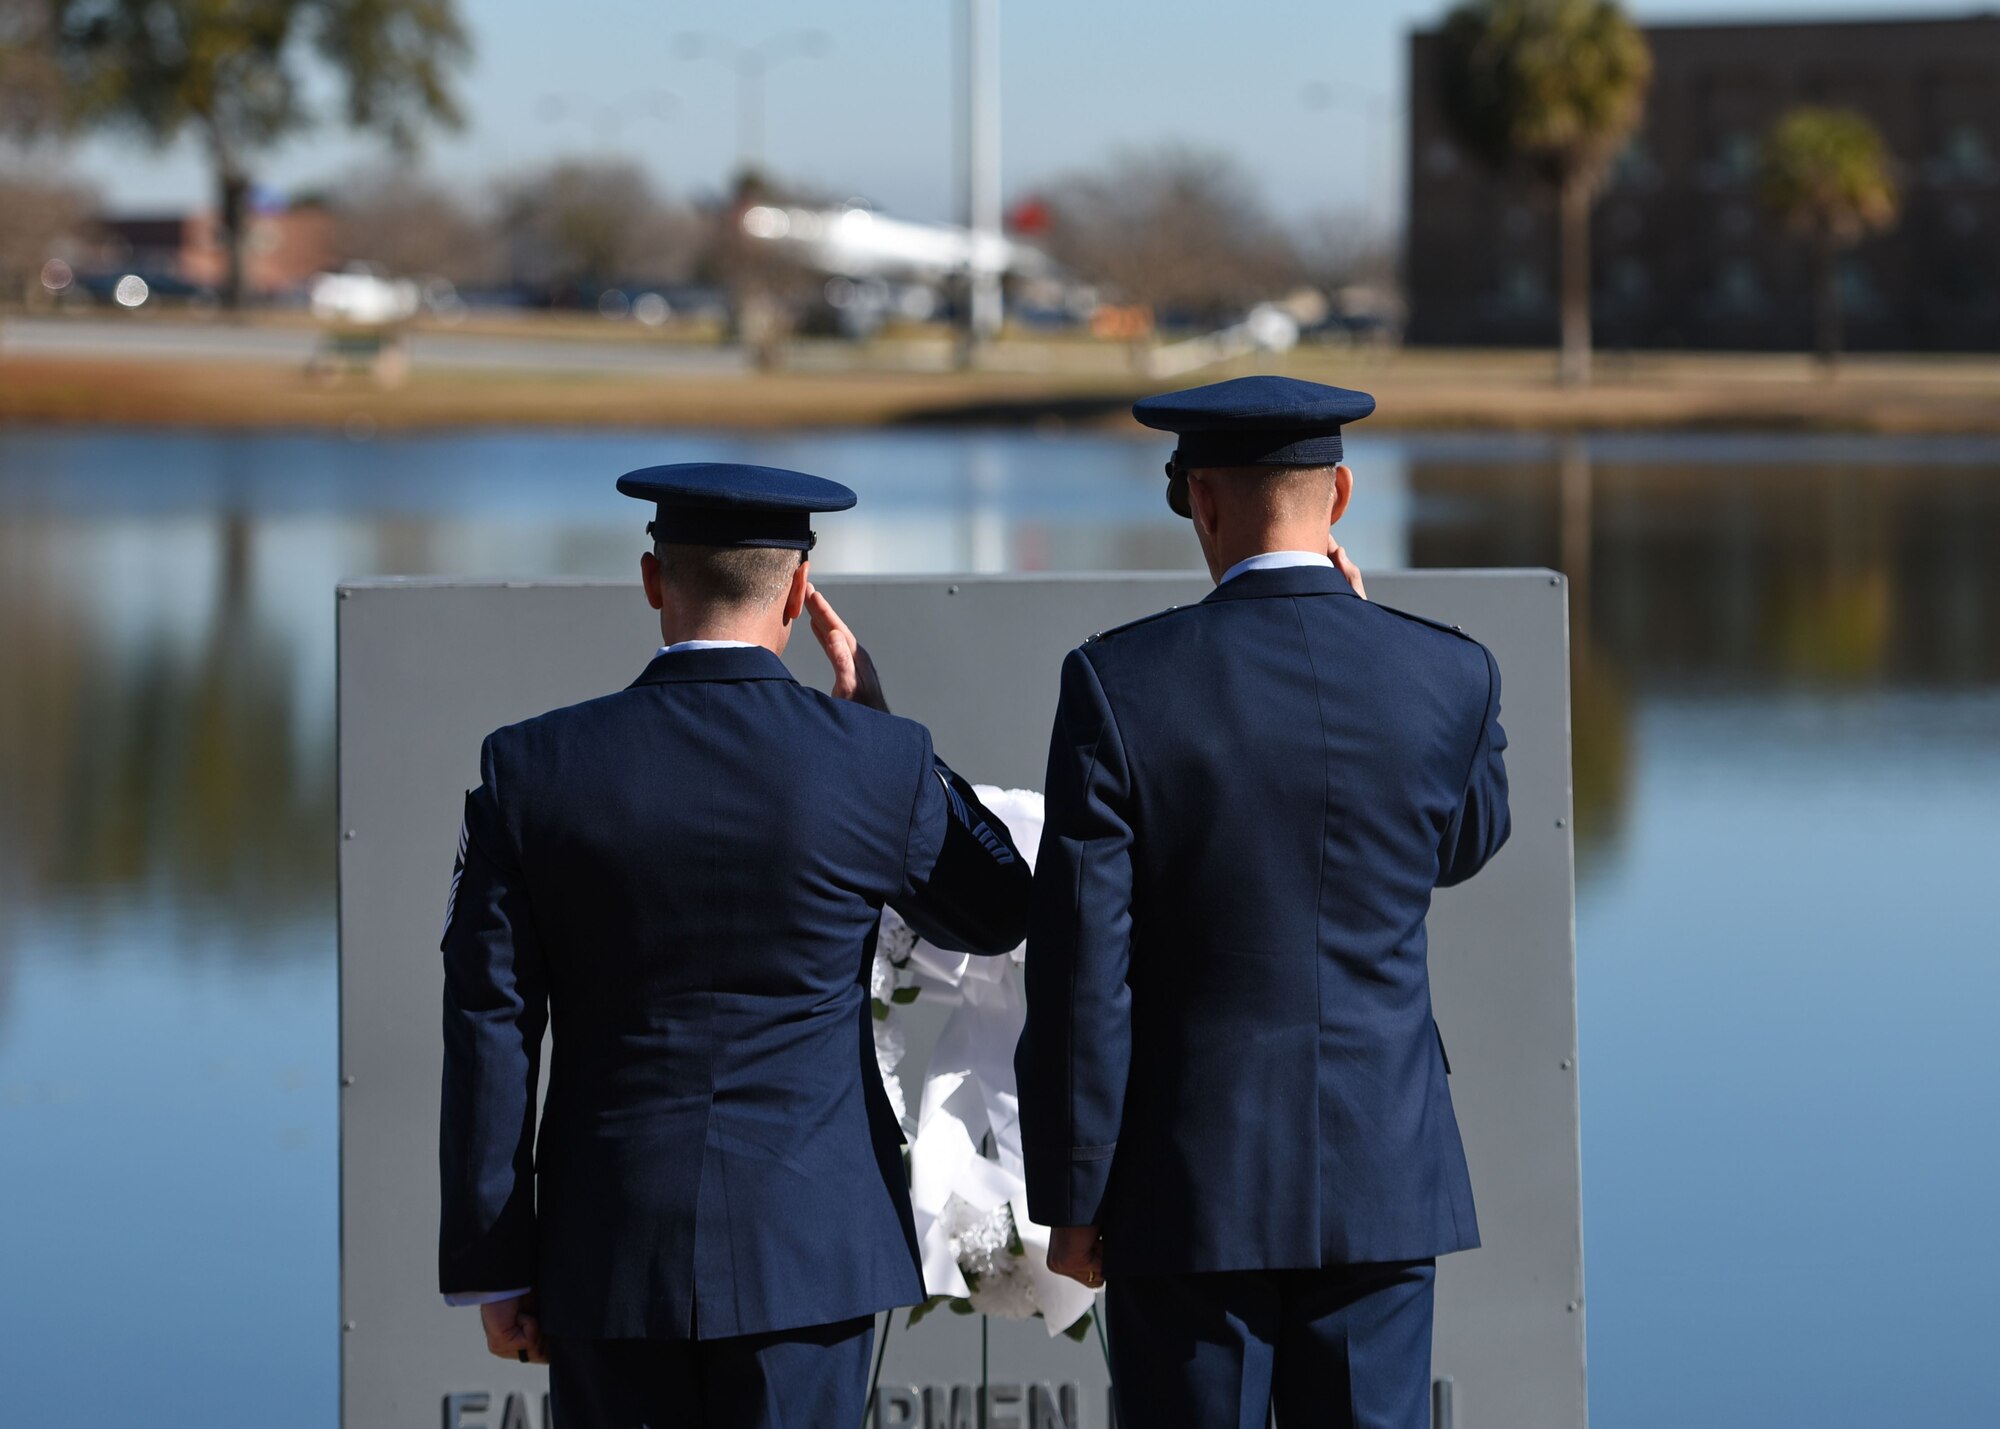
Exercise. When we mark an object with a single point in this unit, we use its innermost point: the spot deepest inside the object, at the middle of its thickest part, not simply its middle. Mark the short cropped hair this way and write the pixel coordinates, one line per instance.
(728, 577)
(1279, 492)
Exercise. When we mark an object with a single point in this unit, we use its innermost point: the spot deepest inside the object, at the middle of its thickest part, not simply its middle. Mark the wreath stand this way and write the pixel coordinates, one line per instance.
(985, 1378)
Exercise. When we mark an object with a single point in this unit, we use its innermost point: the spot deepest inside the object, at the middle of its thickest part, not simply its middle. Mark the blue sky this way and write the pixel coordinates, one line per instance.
(874, 117)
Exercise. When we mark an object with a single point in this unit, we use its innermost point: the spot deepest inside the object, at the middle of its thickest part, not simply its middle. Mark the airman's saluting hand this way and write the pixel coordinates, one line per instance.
(1345, 562)
(854, 676)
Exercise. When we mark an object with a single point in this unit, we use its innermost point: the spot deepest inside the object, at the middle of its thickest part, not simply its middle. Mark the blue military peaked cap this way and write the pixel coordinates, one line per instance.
(1251, 421)
(725, 503)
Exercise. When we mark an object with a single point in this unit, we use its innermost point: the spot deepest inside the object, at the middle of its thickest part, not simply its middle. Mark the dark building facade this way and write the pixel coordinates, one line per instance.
(1684, 255)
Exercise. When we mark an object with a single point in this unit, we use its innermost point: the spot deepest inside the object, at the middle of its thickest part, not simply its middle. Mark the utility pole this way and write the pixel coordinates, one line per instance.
(1380, 162)
(981, 134)
(751, 63)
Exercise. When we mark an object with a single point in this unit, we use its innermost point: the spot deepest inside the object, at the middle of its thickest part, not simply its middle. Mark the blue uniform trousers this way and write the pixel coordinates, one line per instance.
(808, 1378)
(1347, 1347)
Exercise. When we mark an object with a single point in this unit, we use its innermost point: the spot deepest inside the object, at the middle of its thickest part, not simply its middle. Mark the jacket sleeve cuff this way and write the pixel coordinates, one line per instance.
(1071, 1191)
(483, 1297)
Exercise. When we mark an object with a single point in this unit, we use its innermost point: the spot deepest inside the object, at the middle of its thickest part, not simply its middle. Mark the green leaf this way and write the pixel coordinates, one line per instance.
(917, 1312)
(1558, 85)
(961, 1306)
(904, 996)
(1080, 1330)
(879, 1008)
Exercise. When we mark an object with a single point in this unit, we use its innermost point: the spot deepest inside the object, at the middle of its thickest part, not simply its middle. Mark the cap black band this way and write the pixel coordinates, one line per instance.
(1257, 448)
(721, 526)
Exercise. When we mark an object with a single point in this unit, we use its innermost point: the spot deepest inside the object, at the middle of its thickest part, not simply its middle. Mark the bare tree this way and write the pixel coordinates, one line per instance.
(587, 224)
(39, 216)
(412, 226)
(1336, 253)
(1179, 229)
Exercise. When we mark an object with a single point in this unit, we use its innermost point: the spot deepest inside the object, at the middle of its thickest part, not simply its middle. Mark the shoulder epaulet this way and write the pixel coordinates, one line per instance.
(1457, 630)
(1131, 624)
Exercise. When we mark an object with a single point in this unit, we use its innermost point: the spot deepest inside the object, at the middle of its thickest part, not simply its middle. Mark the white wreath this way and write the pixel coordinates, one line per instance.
(981, 1252)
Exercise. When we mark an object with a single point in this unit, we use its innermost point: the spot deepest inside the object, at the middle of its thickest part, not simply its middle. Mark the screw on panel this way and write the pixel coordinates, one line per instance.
(951, 590)
(348, 834)
(1567, 1063)
(347, 1325)
(1562, 823)
(347, 1081)
(1574, 1306)
(344, 594)
(1555, 580)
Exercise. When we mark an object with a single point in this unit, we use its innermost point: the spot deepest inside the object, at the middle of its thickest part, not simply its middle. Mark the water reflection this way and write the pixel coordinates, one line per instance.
(169, 756)
(1731, 563)
(167, 618)
(1780, 646)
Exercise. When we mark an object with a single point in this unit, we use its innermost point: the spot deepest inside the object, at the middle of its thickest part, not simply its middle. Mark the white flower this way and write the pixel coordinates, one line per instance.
(979, 1239)
(966, 1144)
(882, 977)
(1007, 1292)
(983, 1244)
(895, 938)
(889, 1049)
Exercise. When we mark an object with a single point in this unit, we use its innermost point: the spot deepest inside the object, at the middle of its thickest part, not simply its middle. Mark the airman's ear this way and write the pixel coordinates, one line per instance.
(1343, 488)
(1202, 504)
(795, 597)
(649, 577)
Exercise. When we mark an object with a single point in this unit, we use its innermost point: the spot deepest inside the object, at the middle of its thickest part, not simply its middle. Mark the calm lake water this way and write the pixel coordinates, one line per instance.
(1788, 772)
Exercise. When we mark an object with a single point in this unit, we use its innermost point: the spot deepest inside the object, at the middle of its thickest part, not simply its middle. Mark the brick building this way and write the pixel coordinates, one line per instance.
(1683, 252)
(283, 248)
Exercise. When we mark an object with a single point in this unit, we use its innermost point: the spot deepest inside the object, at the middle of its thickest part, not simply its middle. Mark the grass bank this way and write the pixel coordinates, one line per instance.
(1421, 389)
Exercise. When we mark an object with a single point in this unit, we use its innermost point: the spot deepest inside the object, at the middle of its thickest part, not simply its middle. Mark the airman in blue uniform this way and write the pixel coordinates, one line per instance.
(1233, 1094)
(684, 880)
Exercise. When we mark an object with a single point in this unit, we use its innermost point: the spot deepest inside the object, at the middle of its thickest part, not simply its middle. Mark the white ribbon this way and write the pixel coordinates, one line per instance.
(967, 1145)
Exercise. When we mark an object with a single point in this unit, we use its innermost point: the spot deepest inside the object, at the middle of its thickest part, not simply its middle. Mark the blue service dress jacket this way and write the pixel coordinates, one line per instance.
(1230, 1061)
(684, 879)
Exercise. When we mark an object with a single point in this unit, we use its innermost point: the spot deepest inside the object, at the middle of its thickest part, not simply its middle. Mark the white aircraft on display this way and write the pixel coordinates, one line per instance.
(856, 242)
(868, 255)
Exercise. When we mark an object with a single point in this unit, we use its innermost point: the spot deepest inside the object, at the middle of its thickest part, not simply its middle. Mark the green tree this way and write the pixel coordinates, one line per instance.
(231, 73)
(1555, 87)
(30, 84)
(1827, 175)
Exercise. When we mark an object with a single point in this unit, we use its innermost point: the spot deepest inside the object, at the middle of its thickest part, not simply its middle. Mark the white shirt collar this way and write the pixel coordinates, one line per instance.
(1275, 560)
(676, 649)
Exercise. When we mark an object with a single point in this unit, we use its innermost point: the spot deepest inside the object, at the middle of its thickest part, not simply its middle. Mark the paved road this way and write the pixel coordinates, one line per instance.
(223, 342)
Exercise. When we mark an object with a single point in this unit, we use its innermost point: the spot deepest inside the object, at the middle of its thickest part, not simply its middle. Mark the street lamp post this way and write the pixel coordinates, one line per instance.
(982, 165)
(750, 64)
(1378, 112)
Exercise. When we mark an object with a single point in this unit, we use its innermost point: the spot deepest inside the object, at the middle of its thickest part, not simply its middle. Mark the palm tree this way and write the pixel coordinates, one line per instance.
(1827, 174)
(1555, 87)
